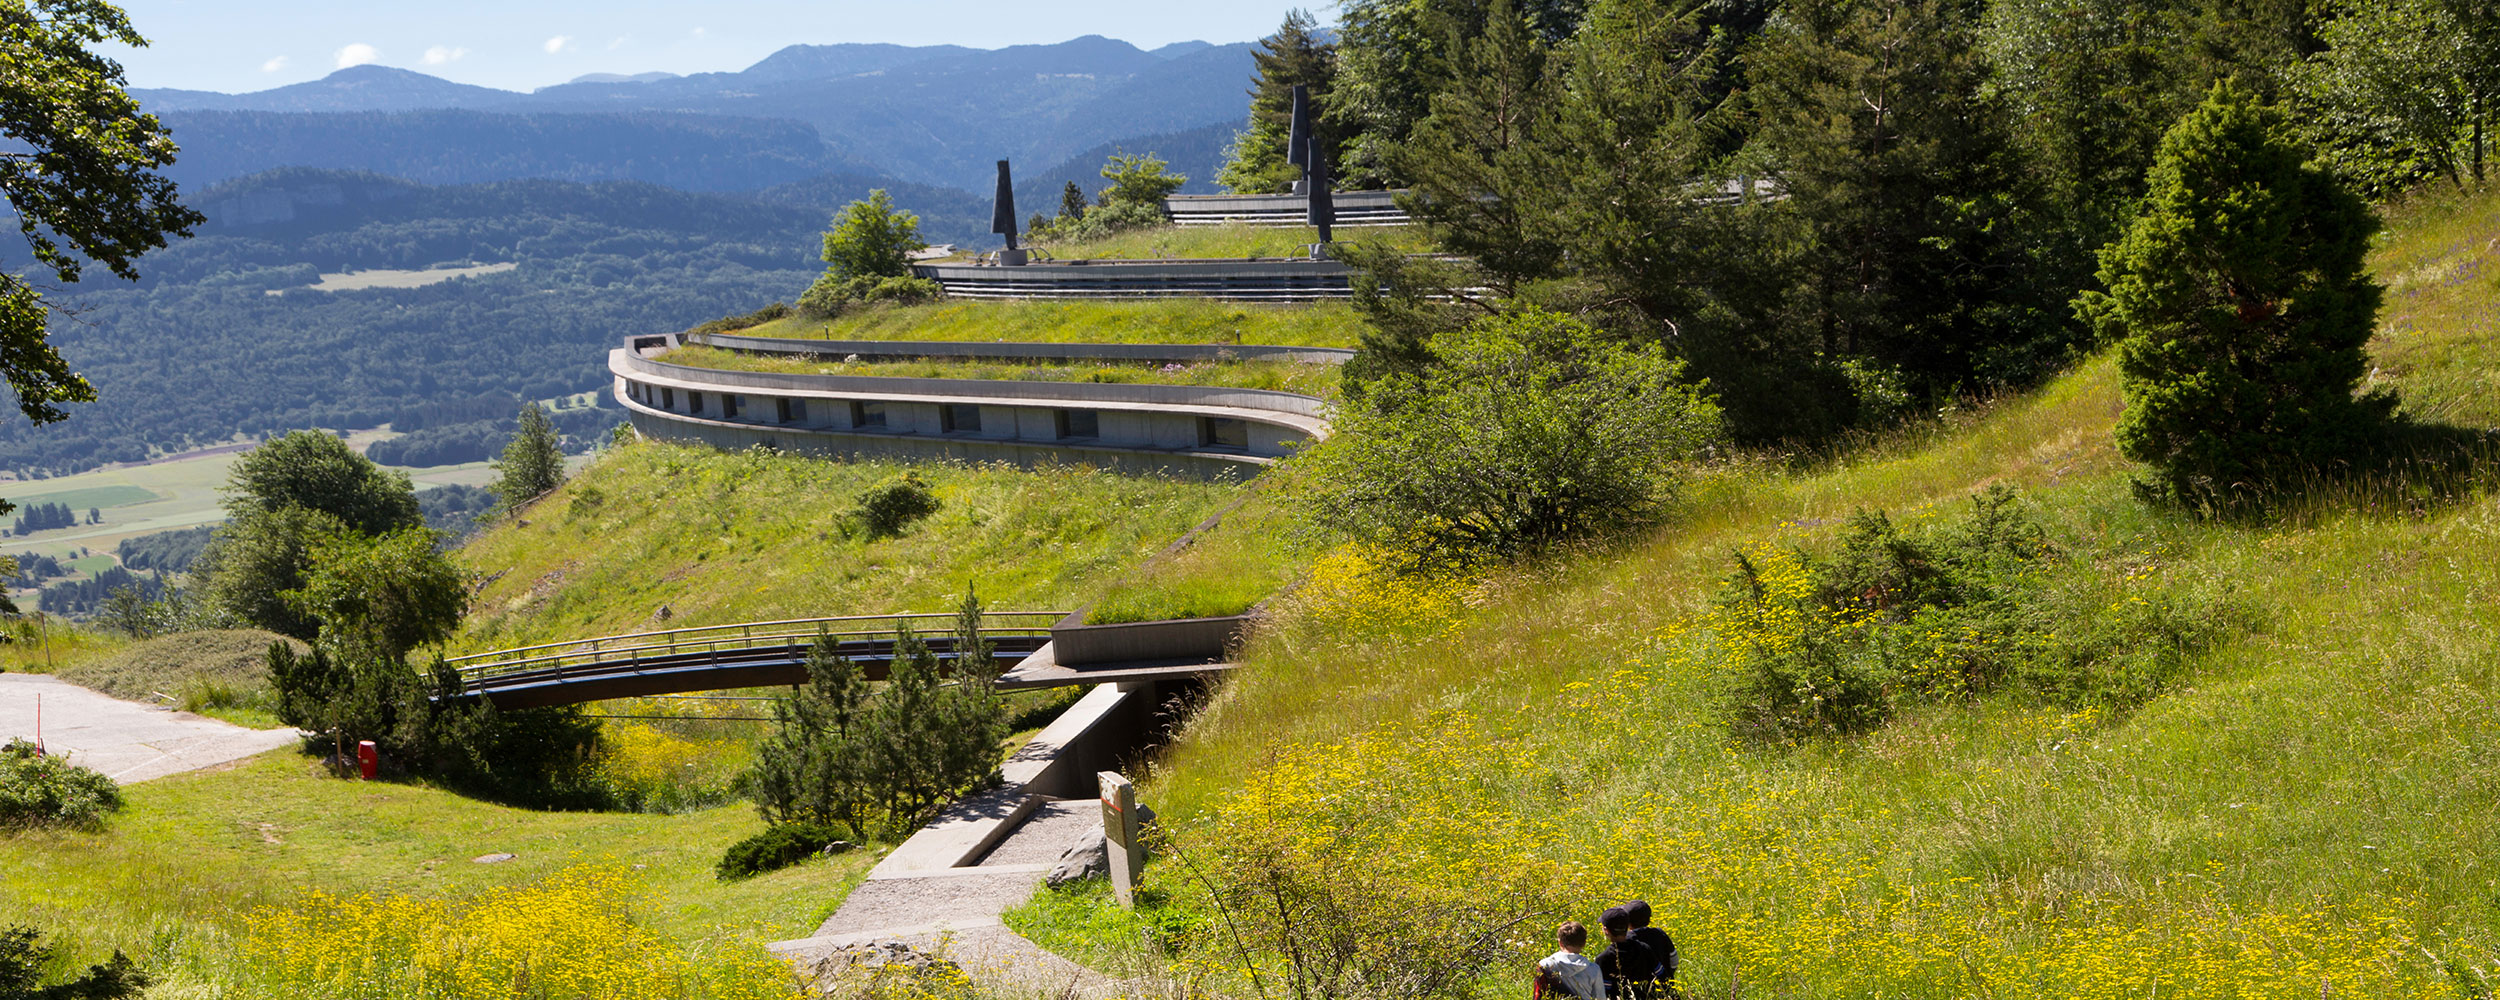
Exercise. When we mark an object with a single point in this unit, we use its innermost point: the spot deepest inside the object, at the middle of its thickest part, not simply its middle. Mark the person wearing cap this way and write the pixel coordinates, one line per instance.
(1669, 964)
(1629, 967)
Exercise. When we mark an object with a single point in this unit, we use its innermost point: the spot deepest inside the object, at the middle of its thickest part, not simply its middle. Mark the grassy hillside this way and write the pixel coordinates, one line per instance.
(1281, 376)
(726, 537)
(1157, 321)
(2302, 807)
(1166, 242)
(177, 878)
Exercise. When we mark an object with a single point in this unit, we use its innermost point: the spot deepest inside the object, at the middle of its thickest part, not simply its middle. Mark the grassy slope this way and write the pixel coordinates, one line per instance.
(750, 536)
(2336, 764)
(1158, 321)
(1281, 376)
(172, 877)
(1199, 242)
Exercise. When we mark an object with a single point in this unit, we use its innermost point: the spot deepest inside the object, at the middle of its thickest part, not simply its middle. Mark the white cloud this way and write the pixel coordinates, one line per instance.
(275, 64)
(559, 44)
(441, 54)
(698, 32)
(616, 43)
(358, 55)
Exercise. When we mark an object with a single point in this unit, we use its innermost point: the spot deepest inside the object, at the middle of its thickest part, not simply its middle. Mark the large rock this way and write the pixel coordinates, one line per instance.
(1089, 857)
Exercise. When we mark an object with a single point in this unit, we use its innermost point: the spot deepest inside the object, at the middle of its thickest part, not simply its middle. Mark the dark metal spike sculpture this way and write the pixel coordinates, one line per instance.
(1003, 217)
(1298, 138)
(1323, 210)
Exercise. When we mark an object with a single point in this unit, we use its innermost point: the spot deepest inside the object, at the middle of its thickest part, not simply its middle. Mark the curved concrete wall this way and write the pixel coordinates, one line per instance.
(1202, 432)
(1010, 351)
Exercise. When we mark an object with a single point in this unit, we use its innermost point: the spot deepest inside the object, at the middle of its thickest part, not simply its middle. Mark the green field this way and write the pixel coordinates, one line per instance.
(93, 496)
(1158, 321)
(1279, 376)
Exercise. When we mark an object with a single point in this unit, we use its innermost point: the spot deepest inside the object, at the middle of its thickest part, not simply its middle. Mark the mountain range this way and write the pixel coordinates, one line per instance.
(935, 115)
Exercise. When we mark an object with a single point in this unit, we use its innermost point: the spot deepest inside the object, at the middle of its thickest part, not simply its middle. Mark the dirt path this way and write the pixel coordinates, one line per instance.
(129, 742)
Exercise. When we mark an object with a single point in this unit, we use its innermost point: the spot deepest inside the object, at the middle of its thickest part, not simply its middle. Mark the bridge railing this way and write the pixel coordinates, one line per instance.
(675, 644)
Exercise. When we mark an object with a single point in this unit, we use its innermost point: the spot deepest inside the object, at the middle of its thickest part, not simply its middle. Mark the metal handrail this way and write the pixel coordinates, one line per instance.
(1052, 615)
(479, 667)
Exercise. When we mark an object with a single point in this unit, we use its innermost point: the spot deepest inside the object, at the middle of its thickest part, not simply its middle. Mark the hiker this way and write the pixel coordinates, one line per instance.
(1566, 974)
(1628, 966)
(1659, 943)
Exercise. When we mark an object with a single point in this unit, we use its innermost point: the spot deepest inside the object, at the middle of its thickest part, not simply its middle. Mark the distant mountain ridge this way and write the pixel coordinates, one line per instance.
(937, 115)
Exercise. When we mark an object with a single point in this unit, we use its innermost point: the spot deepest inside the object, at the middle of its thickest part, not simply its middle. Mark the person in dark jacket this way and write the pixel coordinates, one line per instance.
(1629, 967)
(1659, 943)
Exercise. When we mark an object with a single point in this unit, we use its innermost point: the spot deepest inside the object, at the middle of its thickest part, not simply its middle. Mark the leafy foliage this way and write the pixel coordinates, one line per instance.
(80, 177)
(41, 790)
(870, 239)
(779, 846)
(891, 506)
(386, 593)
(532, 463)
(1295, 54)
(2240, 305)
(22, 962)
(316, 471)
(1522, 432)
(2404, 91)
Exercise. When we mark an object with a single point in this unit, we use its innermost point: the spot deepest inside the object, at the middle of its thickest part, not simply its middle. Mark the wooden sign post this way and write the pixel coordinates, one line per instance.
(1121, 835)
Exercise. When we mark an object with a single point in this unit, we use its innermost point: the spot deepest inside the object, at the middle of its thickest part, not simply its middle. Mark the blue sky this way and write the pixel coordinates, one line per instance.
(257, 44)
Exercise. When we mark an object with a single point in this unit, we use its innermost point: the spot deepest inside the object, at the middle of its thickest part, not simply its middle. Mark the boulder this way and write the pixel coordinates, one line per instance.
(1089, 857)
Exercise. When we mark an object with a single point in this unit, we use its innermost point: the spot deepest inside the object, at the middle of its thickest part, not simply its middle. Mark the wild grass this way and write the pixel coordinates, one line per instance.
(1201, 242)
(1250, 553)
(1154, 321)
(222, 674)
(2305, 811)
(661, 536)
(177, 877)
(1279, 376)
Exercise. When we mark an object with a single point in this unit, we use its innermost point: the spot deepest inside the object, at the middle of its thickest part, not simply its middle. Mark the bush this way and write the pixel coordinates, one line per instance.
(1520, 432)
(776, 848)
(1830, 645)
(22, 964)
(888, 507)
(728, 324)
(38, 790)
(2240, 301)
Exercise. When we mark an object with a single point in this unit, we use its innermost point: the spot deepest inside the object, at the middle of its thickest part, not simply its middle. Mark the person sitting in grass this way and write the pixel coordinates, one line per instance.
(1628, 967)
(1659, 943)
(1566, 974)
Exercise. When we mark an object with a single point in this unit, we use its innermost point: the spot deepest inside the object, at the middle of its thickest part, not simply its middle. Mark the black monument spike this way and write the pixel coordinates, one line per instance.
(1003, 216)
(1323, 210)
(1298, 138)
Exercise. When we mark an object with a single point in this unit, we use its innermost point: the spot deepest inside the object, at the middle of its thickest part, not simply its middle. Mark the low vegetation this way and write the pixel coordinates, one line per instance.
(658, 536)
(1156, 321)
(1168, 242)
(41, 790)
(1280, 376)
(1247, 554)
(220, 673)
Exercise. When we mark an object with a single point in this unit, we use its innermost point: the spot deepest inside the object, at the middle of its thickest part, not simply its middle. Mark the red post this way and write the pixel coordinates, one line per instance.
(368, 759)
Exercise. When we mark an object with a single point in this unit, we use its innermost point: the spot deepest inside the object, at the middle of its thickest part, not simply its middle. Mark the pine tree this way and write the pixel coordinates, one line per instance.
(809, 769)
(1293, 55)
(1482, 181)
(2241, 304)
(532, 463)
(1071, 203)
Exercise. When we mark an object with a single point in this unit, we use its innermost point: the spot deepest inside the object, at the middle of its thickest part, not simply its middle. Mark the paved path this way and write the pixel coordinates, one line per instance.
(127, 741)
(958, 909)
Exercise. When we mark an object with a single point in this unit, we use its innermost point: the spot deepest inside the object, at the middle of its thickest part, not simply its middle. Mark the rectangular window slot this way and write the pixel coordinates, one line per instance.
(694, 402)
(729, 403)
(1079, 424)
(1223, 432)
(791, 409)
(668, 398)
(959, 418)
(867, 414)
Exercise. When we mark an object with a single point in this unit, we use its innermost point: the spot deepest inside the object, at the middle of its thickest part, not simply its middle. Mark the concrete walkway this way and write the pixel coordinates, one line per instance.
(128, 742)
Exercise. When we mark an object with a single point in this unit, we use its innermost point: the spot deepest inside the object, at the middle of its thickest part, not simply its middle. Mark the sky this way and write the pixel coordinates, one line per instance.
(244, 45)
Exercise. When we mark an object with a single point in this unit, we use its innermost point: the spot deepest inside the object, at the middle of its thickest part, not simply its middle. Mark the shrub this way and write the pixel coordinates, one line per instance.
(870, 239)
(890, 506)
(22, 963)
(1520, 432)
(903, 291)
(38, 790)
(2241, 304)
(778, 847)
(728, 324)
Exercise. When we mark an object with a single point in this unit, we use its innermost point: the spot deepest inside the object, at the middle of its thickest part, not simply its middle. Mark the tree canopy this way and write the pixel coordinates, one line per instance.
(78, 164)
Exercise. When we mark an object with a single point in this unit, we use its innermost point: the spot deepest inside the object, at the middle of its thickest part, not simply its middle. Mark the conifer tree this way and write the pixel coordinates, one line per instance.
(1071, 203)
(532, 463)
(1293, 55)
(2240, 303)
